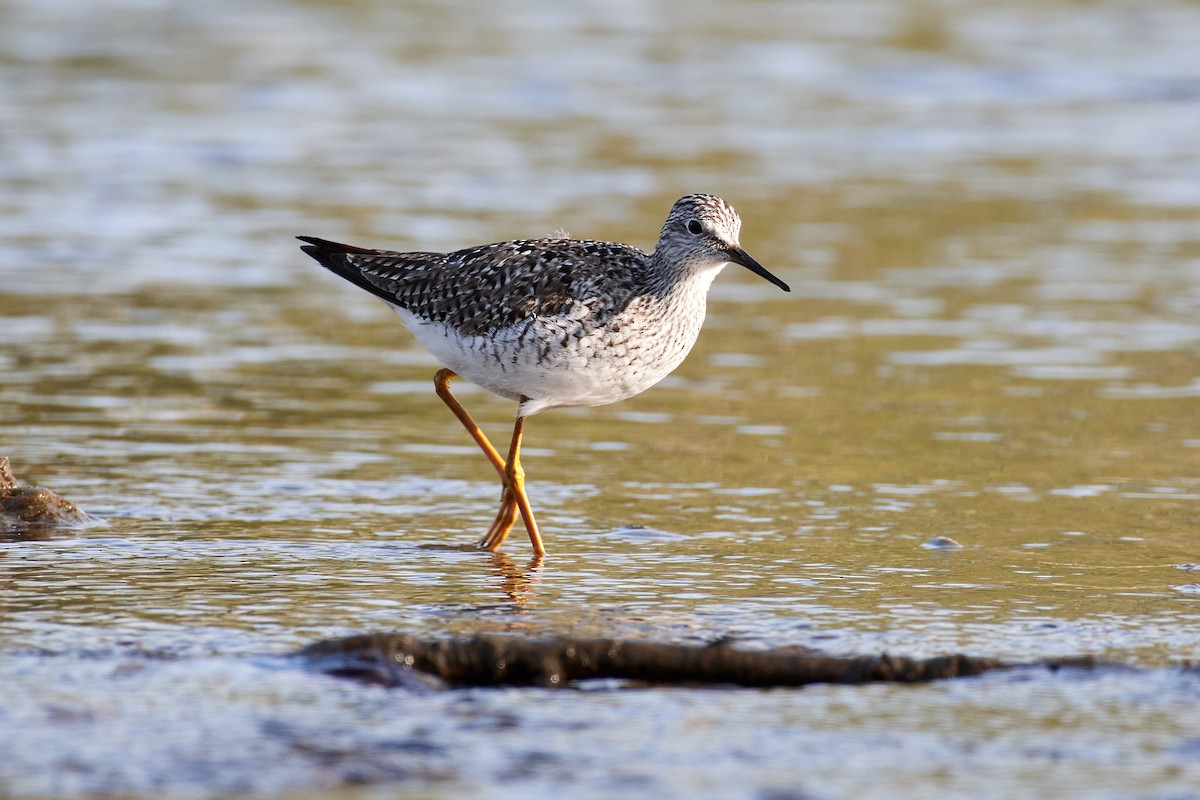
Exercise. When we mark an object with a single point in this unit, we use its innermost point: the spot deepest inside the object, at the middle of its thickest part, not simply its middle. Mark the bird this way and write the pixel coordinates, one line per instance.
(552, 322)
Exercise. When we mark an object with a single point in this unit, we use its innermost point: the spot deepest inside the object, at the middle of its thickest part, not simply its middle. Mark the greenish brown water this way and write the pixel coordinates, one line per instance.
(988, 216)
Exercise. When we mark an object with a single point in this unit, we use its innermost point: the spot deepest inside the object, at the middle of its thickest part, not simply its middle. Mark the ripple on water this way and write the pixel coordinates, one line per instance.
(992, 336)
(261, 726)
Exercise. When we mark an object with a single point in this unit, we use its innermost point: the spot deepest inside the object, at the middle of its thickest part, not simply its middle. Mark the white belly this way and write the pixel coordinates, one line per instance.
(555, 369)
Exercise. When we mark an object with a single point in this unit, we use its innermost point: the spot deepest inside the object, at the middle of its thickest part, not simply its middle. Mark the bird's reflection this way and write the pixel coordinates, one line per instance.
(518, 583)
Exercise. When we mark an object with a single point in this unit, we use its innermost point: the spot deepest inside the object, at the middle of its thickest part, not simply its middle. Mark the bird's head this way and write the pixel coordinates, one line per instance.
(701, 232)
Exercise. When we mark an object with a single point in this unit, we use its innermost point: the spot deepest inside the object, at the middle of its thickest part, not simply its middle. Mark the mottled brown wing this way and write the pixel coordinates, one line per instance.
(495, 285)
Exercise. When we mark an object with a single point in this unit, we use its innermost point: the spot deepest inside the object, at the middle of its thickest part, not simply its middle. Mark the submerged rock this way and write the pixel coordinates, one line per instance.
(397, 659)
(32, 507)
(941, 543)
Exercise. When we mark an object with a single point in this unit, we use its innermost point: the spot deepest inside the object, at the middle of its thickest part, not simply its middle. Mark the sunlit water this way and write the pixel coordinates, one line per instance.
(990, 217)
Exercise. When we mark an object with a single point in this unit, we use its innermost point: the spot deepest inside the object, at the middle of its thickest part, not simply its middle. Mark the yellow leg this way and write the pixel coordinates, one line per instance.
(513, 498)
(441, 382)
(516, 480)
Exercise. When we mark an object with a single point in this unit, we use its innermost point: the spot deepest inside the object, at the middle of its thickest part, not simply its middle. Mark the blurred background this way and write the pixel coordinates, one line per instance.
(989, 214)
(168, 137)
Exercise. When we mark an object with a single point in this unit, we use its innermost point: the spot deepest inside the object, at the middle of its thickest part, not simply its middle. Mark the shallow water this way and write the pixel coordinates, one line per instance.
(988, 216)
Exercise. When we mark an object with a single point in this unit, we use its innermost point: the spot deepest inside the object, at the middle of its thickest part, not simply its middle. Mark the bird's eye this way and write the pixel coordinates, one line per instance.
(694, 227)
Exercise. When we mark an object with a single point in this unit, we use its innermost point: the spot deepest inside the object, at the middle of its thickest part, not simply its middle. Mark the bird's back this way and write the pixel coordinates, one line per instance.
(480, 290)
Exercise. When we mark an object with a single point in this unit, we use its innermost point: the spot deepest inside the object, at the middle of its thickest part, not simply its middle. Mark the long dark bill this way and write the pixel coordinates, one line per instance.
(739, 256)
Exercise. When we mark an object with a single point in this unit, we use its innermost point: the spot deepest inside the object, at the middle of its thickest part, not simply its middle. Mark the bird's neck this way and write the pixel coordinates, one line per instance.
(677, 280)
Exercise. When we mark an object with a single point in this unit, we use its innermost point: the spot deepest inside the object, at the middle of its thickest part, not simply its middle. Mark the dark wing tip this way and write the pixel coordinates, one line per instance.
(318, 245)
(349, 262)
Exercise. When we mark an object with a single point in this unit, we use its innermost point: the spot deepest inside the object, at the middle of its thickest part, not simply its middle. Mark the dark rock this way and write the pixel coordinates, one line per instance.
(396, 659)
(32, 508)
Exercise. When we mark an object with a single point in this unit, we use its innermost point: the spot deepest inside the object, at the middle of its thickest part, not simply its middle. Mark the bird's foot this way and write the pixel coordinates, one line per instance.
(506, 517)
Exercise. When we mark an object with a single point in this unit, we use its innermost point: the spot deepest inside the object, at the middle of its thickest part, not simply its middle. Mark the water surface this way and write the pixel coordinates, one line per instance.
(988, 215)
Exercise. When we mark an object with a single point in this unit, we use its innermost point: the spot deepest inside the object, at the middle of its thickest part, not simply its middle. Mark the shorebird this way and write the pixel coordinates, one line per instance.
(552, 322)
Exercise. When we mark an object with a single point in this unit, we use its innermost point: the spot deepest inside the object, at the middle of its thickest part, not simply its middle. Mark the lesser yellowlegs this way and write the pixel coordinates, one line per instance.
(552, 322)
